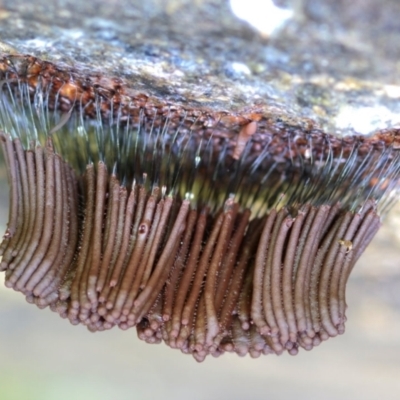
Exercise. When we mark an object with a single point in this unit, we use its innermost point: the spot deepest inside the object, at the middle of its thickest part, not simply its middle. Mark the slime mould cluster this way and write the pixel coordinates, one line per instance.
(207, 230)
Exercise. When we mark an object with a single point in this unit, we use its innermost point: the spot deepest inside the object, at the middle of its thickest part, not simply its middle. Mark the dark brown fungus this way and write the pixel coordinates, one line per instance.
(131, 213)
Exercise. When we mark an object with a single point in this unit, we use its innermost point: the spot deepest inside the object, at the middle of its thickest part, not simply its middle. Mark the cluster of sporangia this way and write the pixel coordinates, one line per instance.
(248, 276)
(206, 284)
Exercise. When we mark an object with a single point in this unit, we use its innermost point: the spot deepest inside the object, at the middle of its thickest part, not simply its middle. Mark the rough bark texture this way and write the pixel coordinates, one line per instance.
(331, 60)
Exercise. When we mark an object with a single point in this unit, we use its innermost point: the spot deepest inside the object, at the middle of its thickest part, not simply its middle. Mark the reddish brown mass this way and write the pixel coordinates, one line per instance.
(204, 278)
